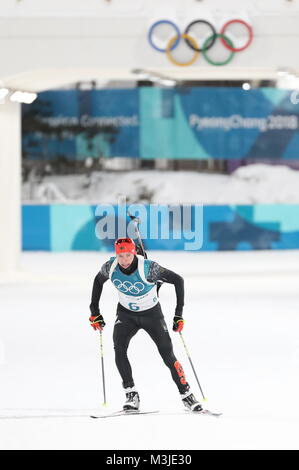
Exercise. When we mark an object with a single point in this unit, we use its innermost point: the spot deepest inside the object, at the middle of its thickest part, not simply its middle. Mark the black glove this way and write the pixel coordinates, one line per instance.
(178, 323)
(97, 322)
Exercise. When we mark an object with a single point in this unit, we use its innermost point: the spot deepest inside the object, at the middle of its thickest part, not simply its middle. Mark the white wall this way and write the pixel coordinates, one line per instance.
(111, 38)
(10, 186)
(69, 8)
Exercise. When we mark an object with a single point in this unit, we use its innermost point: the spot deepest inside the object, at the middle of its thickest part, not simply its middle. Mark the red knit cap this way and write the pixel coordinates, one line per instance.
(125, 245)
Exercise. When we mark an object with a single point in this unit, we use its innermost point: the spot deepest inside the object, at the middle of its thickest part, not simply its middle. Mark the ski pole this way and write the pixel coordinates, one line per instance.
(190, 360)
(103, 370)
(136, 221)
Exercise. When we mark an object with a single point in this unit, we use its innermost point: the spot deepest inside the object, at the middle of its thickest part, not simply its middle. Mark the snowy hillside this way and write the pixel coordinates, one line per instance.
(252, 184)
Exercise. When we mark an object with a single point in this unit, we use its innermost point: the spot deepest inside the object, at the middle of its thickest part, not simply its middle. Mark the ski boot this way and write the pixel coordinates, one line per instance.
(191, 403)
(132, 400)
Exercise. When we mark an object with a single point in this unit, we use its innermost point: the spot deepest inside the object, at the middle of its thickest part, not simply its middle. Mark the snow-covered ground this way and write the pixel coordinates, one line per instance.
(241, 329)
(252, 184)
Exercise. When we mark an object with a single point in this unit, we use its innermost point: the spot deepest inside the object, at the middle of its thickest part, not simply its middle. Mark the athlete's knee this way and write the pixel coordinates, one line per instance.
(166, 351)
(120, 347)
(120, 344)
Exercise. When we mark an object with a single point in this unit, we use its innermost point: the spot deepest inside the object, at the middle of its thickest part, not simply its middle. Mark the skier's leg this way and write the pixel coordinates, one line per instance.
(157, 329)
(124, 329)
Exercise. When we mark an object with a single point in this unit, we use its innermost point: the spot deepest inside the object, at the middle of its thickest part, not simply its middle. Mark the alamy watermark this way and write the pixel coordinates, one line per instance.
(158, 222)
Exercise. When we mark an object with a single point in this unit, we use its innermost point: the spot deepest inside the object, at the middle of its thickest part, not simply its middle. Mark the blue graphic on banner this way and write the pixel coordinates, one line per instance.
(36, 230)
(151, 122)
(77, 124)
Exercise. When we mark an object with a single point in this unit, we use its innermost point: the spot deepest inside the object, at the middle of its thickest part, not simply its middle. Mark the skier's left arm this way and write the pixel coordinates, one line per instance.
(158, 273)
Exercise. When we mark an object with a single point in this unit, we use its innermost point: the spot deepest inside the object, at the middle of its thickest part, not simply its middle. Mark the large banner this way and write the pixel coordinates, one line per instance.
(151, 122)
(75, 227)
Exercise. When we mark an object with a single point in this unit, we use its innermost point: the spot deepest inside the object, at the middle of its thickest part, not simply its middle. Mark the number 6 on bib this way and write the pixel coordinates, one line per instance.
(133, 306)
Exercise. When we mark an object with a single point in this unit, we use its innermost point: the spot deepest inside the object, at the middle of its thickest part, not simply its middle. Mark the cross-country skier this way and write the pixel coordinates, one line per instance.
(136, 280)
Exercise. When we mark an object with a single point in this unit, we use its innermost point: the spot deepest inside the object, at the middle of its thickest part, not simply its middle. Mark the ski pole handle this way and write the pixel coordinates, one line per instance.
(137, 221)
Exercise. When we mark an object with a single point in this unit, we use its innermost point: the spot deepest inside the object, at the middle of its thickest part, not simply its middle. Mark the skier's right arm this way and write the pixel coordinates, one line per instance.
(96, 319)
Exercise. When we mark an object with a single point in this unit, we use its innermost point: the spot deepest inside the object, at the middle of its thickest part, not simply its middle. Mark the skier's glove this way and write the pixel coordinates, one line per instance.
(178, 323)
(97, 322)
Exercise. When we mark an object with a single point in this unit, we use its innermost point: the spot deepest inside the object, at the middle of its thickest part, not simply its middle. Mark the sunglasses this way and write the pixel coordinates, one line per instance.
(123, 240)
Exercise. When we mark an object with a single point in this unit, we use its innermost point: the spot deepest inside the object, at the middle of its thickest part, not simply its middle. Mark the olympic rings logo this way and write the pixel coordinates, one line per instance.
(128, 286)
(190, 40)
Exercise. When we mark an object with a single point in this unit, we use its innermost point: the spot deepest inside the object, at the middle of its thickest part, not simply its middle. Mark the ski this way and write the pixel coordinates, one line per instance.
(207, 413)
(128, 413)
(124, 413)
(85, 414)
